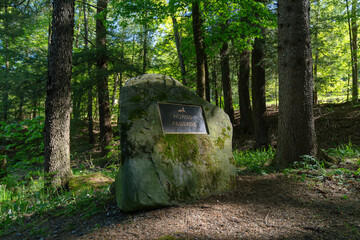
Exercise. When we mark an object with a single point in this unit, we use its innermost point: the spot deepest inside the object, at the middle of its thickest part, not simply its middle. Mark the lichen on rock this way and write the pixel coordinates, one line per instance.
(164, 169)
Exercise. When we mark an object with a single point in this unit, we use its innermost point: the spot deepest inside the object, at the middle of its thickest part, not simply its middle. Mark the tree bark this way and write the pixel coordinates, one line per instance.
(199, 49)
(58, 99)
(226, 80)
(178, 48)
(246, 125)
(296, 135)
(214, 77)
(145, 49)
(354, 29)
(102, 79)
(258, 93)
(5, 92)
(115, 89)
(207, 80)
(90, 83)
(21, 108)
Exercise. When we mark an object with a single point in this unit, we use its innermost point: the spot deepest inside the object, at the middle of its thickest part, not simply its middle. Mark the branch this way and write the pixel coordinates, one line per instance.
(85, 3)
(87, 40)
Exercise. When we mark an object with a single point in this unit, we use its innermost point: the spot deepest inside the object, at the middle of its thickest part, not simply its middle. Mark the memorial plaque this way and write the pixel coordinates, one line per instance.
(182, 119)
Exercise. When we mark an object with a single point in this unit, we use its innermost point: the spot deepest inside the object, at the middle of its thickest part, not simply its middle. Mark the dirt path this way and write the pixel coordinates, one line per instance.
(263, 207)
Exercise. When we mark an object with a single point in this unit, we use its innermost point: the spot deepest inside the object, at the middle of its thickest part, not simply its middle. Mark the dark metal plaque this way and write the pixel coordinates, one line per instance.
(182, 119)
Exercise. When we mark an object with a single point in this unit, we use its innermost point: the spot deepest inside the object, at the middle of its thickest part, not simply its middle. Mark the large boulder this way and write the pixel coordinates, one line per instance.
(160, 169)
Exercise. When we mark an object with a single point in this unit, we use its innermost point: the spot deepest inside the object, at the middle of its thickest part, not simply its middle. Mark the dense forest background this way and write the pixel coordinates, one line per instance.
(142, 37)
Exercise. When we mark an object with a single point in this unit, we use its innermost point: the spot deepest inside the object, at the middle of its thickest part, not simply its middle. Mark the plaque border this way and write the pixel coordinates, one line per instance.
(183, 104)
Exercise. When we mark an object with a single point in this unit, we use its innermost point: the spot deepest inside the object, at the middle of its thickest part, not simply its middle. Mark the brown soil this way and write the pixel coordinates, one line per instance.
(273, 206)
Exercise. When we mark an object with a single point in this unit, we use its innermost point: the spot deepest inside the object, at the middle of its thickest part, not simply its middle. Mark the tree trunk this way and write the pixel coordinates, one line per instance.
(58, 97)
(214, 77)
(246, 125)
(316, 60)
(116, 84)
(258, 93)
(76, 100)
(90, 83)
(199, 49)
(120, 86)
(145, 44)
(296, 135)
(102, 79)
(178, 48)
(315, 75)
(34, 107)
(21, 108)
(354, 29)
(226, 80)
(5, 93)
(207, 80)
(353, 48)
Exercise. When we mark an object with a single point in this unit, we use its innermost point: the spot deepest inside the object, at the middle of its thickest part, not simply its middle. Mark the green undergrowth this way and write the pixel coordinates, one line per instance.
(254, 161)
(24, 204)
(22, 199)
(346, 171)
(345, 151)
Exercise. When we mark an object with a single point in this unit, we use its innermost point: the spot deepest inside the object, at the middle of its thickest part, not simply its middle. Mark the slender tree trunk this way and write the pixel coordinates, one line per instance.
(102, 79)
(178, 48)
(120, 86)
(133, 50)
(207, 80)
(226, 80)
(21, 110)
(34, 106)
(214, 77)
(258, 93)
(78, 31)
(296, 135)
(199, 49)
(5, 93)
(116, 84)
(353, 48)
(58, 99)
(315, 75)
(90, 83)
(348, 88)
(354, 29)
(146, 32)
(244, 95)
(145, 51)
(316, 60)
(76, 102)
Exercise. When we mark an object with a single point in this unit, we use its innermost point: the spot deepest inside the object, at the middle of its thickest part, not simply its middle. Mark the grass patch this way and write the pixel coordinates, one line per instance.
(22, 199)
(345, 151)
(254, 161)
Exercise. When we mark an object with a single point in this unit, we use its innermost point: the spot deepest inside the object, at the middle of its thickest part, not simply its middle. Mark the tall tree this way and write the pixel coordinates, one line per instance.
(178, 48)
(353, 32)
(243, 90)
(258, 92)
(296, 135)
(58, 99)
(225, 77)
(5, 92)
(199, 49)
(90, 83)
(145, 42)
(102, 78)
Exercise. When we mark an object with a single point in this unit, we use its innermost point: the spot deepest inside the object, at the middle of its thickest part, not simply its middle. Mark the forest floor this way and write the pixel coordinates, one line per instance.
(296, 205)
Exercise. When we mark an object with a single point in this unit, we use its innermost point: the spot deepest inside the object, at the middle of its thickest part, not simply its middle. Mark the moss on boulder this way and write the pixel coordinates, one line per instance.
(165, 169)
